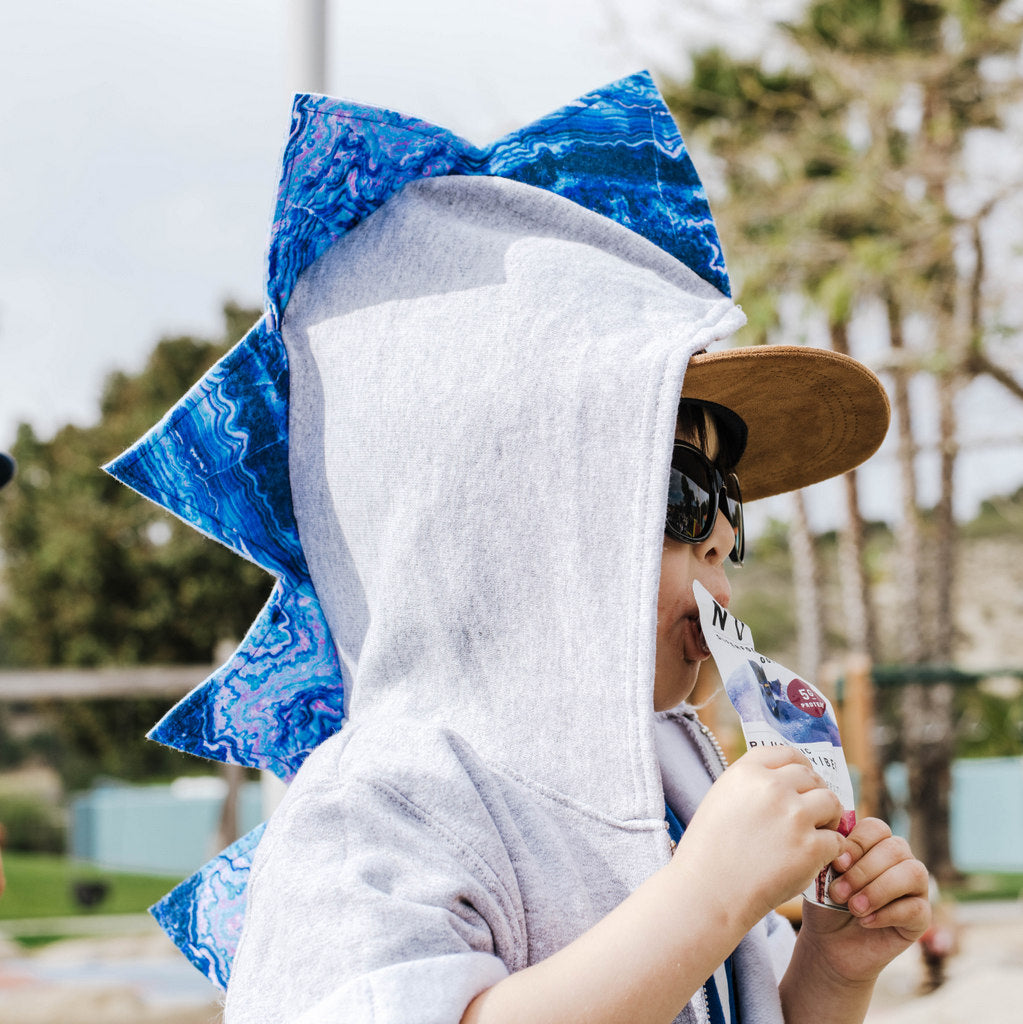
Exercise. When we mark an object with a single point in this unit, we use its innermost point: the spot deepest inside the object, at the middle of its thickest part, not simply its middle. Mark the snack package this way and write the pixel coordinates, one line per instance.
(777, 707)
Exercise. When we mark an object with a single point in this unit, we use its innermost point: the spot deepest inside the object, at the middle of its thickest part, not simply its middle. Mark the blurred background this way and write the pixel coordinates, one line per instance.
(864, 162)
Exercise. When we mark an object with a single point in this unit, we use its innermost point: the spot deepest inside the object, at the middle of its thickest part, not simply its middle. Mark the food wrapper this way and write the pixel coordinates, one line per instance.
(778, 708)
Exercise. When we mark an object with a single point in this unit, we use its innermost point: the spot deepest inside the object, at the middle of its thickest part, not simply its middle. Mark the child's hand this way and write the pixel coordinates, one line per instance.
(763, 831)
(885, 888)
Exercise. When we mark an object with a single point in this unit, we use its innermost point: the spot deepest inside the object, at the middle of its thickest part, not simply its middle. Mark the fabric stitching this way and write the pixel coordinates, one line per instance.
(637, 825)
(464, 852)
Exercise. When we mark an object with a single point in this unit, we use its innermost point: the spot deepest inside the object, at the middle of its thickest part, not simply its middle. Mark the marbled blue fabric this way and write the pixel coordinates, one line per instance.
(210, 905)
(219, 459)
(275, 700)
(616, 151)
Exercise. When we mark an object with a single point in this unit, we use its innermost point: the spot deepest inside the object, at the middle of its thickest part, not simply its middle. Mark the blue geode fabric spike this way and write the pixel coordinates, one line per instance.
(219, 458)
(274, 701)
(210, 905)
(616, 151)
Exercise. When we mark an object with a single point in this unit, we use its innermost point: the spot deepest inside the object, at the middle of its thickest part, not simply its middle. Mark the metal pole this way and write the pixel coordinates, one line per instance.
(307, 45)
(858, 732)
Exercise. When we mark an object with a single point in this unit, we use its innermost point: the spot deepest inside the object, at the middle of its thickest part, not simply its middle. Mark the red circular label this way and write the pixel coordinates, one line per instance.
(806, 698)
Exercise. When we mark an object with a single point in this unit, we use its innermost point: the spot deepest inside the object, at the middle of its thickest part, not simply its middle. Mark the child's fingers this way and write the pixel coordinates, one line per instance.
(801, 777)
(777, 757)
(887, 872)
(900, 880)
(826, 810)
(878, 858)
(867, 834)
(789, 769)
(827, 841)
(910, 916)
(790, 764)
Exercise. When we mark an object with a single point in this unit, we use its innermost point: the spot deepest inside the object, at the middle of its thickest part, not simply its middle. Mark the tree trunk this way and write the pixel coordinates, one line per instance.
(806, 577)
(909, 549)
(929, 711)
(861, 629)
(910, 576)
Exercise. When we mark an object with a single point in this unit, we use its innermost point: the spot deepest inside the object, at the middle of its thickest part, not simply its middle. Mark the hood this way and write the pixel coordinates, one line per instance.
(447, 439)
(484, 383)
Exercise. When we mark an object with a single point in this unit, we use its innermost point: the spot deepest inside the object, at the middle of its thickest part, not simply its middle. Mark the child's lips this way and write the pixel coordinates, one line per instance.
(696, 648)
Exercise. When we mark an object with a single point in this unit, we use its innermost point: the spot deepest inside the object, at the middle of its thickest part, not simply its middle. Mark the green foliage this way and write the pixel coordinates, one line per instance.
(877, 26)
(989, 886)
(988, 725)
(769, 613)
(96, 575)
(31, 825)
(13, 748)
(832, 189)
(773, 543)
(740, 95)
(89, 739)
(997, 516)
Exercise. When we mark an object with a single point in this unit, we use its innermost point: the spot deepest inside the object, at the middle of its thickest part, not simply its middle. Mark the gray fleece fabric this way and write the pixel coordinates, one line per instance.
(484, 382)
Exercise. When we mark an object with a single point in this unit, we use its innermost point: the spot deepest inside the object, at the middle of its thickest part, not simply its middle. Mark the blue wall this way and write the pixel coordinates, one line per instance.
(155, 829)
(172, 829)
(986, 812)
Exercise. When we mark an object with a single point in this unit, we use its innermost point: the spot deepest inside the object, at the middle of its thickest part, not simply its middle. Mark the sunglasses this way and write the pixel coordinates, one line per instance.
(697, 489)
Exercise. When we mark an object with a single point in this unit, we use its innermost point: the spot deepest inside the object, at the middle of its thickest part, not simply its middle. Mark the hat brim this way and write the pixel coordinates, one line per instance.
(811, 413)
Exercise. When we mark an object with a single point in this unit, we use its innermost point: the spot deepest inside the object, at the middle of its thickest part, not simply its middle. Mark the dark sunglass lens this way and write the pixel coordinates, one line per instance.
(733, 509)
(690, 496)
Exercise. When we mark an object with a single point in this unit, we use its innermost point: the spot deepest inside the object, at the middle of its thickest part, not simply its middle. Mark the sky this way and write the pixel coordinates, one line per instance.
(139, 155)
(140, 144)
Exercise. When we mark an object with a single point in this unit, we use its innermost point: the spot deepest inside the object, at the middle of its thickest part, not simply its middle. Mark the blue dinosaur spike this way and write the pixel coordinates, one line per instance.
(343, 161)
(278, 697)
(219, 458)
(617, 151)
(204, 914)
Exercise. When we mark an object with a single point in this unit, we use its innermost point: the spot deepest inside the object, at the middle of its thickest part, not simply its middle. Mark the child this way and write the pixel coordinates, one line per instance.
(484, 376)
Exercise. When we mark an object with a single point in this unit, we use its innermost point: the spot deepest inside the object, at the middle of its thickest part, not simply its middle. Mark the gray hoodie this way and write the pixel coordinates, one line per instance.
(484, 383)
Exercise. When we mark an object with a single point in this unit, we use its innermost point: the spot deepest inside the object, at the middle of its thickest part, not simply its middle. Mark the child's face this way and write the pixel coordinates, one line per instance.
(680, 644)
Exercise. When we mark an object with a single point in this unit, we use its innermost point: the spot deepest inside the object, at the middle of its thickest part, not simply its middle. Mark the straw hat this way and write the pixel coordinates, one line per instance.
(811, 413)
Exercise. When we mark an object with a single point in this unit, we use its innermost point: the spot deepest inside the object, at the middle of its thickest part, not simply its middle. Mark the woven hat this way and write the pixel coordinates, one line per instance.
(811, 413)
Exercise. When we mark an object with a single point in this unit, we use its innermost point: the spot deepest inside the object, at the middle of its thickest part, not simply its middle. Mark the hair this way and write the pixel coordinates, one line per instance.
(691, 422)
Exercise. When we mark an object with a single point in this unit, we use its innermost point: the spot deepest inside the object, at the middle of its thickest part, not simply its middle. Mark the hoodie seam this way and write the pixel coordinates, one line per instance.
(651, 417)
(477, 865)
(637, 825)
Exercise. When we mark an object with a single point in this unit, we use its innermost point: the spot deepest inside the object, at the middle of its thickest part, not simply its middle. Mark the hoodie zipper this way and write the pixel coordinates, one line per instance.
(715, 770)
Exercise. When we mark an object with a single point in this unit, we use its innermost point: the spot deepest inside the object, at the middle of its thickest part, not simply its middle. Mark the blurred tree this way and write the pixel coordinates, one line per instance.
(839, 170)
(96, 575)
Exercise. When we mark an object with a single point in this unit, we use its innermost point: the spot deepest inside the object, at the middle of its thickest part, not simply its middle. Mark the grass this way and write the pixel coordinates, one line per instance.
(993, 886)
(39, 885)
(37, 941)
